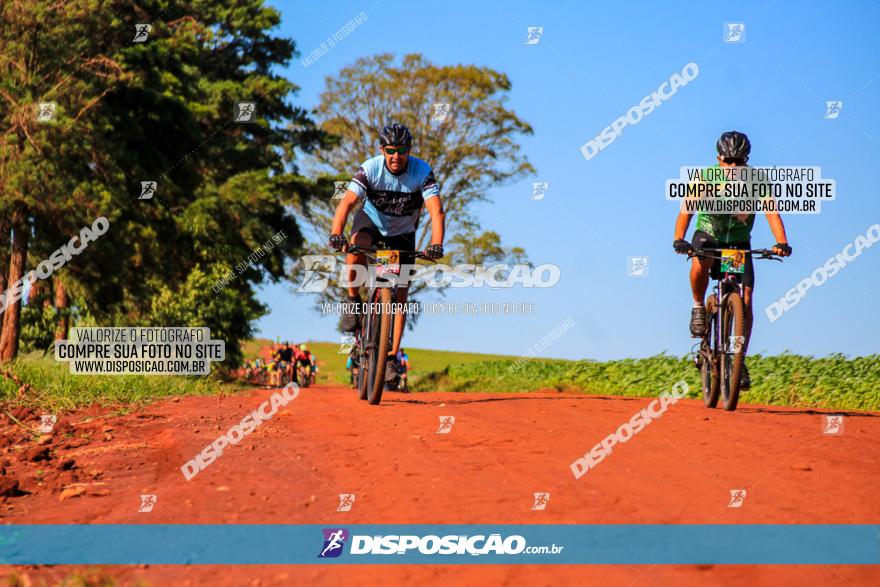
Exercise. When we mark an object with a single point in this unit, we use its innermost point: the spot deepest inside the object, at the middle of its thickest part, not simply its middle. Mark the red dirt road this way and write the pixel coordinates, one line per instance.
(502, 448)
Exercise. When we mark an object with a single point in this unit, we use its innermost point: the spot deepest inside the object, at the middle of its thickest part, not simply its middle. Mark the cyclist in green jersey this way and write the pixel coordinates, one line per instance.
(725, 231)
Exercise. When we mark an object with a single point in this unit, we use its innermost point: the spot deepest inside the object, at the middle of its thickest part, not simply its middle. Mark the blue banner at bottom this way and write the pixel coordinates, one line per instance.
(636, 544)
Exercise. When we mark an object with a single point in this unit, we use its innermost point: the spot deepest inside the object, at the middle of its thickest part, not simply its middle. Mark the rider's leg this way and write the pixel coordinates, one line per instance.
(747, 303)
(700, 278)
(363, 239)
(399, 319)
(745, 379)
(350, 312)
(700, 269)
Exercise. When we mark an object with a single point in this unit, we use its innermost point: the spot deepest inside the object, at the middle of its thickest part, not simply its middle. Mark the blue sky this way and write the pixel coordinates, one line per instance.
(595, 61)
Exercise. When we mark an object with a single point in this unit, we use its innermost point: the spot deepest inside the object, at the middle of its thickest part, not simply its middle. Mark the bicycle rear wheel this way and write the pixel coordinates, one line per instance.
(732, 324)
(710, 368)
(361, 380)
(380, 339)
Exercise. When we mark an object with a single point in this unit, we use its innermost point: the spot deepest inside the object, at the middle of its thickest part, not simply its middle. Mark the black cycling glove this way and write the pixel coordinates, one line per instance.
(337, 241)
(434, 251)
(682, 247)
(786, 250)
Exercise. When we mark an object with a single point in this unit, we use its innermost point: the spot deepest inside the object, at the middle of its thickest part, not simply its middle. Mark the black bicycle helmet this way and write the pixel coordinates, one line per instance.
(734, 144)
(395, 134)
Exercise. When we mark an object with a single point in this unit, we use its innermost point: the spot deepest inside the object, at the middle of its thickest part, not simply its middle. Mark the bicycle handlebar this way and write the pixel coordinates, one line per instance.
(365, 249)
(762, 253)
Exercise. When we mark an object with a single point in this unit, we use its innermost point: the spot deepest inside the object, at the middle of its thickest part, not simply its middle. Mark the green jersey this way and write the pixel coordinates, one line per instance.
(725, 228)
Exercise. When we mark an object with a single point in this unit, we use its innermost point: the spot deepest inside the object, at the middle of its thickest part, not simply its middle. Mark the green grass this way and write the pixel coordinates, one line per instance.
(833, 382)
(55, 388)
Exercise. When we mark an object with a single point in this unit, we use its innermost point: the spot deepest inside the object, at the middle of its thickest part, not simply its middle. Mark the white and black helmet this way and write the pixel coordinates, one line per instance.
(734, 145)
(395, 134)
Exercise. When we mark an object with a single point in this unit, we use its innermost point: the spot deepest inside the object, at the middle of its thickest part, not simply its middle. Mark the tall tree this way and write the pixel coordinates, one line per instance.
(53, 60)
(469, 139)
(160, 109)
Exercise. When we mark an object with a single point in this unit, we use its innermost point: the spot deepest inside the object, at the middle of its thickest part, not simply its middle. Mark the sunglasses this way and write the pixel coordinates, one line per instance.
(734, 160)
(401, 150)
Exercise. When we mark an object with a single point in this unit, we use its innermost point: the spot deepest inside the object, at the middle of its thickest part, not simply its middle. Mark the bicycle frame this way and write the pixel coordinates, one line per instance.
(726, 284)
(717, 358)
(365, 348)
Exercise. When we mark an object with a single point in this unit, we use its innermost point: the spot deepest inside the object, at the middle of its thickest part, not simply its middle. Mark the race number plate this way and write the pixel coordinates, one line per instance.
(733, 261)
(387, 261)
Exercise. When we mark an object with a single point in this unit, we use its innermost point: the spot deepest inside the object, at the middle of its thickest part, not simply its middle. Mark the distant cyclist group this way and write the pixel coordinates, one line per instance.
(286, 364)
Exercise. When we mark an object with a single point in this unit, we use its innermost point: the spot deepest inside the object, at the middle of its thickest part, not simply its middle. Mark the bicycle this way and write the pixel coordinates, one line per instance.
(376, 327)
(720, 358)
(285, 374)
(304, 376)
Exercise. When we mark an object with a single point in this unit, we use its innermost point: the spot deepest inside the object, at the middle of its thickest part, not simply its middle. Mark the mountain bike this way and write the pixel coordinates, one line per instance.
(285, 373)
(303, 374)
(373, 338)
(720, 357)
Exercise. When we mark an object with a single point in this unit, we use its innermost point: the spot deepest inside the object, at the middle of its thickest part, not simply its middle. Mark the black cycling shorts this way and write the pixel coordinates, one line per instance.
(403, 242)
(705, 240)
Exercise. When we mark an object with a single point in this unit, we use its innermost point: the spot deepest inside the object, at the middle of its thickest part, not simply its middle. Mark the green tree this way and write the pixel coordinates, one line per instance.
(473, 150)
(158, 110)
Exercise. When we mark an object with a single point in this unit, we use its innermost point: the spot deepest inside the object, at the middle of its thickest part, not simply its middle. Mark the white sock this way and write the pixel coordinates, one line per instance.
(698, 304)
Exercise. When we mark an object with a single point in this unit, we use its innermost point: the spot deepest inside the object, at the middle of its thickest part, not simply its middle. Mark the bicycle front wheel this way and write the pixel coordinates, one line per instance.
(710, 371)
(380, 337)
(732, 330)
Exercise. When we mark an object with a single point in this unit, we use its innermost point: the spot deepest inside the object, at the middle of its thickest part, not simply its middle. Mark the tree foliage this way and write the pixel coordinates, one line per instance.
(159, 110)
(472, 151)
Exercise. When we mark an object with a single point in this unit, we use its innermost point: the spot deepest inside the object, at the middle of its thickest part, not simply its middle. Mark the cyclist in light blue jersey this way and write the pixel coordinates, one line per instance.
(392, 188)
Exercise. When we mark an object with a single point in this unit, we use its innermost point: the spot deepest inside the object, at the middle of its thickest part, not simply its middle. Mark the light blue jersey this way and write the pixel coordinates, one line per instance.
(393, 202)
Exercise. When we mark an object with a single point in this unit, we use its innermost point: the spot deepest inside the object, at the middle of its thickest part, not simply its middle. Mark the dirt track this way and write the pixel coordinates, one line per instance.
(502, 448)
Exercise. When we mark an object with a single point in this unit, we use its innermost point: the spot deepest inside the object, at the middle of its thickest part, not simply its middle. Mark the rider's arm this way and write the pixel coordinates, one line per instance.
(681, 225)
(438, 219)
(348, 202)
(776, 227)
